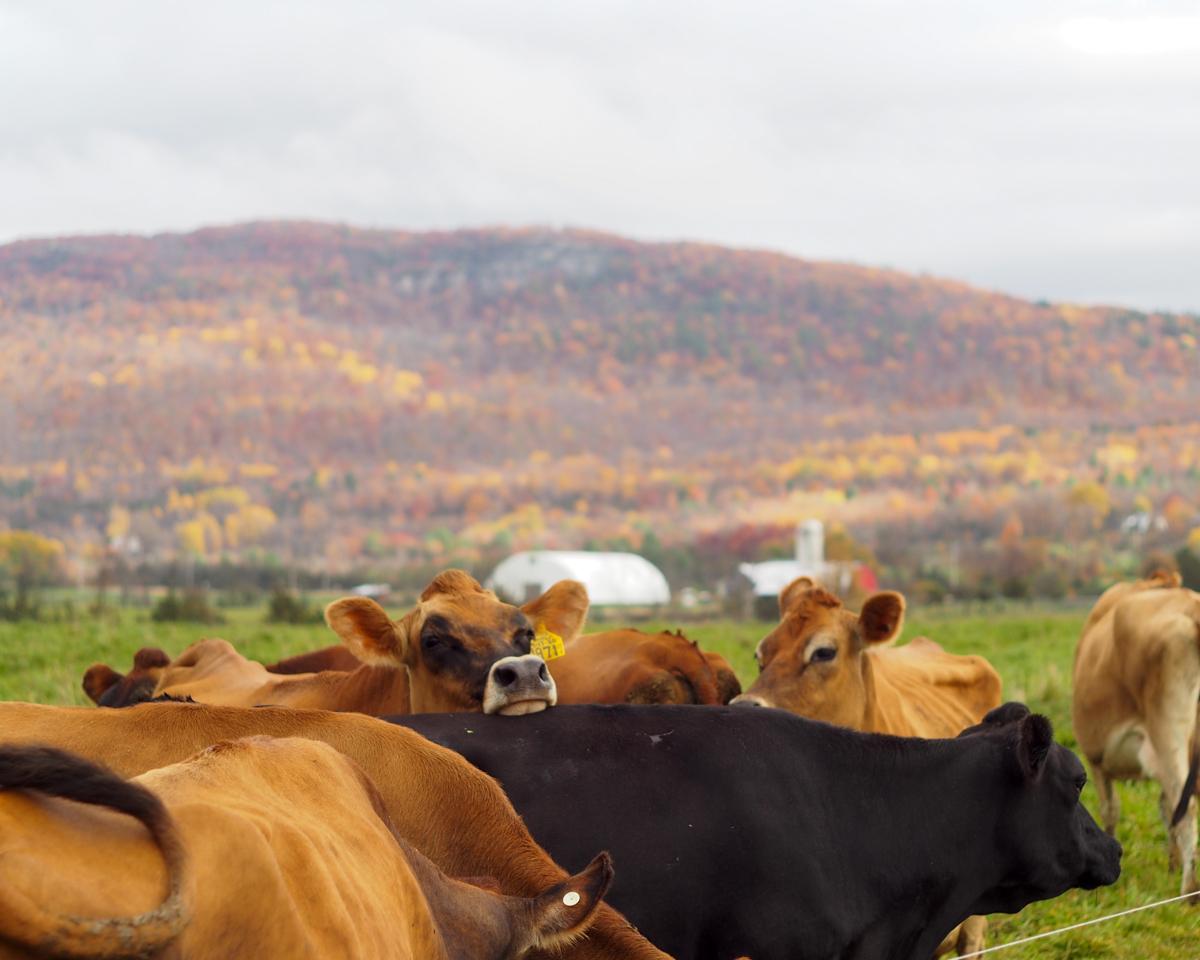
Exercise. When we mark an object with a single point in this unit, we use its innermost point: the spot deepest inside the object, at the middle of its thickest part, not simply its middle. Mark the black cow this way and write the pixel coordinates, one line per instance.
(756, 832)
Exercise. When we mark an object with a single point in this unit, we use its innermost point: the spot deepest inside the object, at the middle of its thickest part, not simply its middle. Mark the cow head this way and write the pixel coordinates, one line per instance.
(477, 921)
(811, 664)
(1051, 843)
(107, 688)
(465, 650)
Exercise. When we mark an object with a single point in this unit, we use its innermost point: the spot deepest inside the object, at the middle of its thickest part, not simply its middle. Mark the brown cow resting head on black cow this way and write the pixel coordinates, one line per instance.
(464, 648)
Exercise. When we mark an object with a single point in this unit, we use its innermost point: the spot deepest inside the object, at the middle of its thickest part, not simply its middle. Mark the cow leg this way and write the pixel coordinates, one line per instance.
(972, 935)
(1110, 800)
(1171, 745)
(1166, 808)
(1186, 839)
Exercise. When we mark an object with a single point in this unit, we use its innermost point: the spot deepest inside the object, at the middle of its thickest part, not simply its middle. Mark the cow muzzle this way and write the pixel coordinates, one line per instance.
(519, 685)
(748, 700)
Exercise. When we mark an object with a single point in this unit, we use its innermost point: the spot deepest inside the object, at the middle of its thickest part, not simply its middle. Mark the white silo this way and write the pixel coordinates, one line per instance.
(810, 545)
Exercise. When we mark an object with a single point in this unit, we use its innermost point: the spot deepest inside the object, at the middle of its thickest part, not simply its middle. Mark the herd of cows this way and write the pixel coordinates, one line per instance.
(409, 793)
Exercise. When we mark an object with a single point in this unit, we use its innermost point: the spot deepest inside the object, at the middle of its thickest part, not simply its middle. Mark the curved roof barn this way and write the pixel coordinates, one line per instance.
(612, 579)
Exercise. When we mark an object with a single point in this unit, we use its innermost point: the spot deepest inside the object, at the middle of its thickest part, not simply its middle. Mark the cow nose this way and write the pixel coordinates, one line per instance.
(519, 670)
(748, 700)
(517, 685)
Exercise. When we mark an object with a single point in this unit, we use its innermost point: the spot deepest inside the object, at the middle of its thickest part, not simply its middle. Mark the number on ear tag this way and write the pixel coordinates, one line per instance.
(547, 644)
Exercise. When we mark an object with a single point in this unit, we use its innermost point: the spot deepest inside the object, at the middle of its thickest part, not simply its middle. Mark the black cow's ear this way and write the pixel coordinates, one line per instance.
(1035, 737)
(1006, 713)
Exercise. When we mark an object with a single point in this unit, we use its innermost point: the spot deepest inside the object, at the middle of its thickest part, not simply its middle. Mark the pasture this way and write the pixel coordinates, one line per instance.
(1031, 648)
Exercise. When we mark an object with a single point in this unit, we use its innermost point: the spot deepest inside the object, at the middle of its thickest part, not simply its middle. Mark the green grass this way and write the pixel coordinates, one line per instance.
(1031, 648)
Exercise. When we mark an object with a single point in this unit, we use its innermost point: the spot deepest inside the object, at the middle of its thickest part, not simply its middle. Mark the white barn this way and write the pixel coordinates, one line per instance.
(612, 579)
(767, 579)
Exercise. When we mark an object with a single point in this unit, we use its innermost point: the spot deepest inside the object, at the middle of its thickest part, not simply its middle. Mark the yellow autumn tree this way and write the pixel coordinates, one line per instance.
(1092, 500)
(28, 562)
(248, 525)
(119, 521)
(201, 536)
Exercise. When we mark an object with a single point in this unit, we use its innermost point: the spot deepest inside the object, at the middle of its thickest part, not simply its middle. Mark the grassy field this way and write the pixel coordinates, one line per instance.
(1031, 648)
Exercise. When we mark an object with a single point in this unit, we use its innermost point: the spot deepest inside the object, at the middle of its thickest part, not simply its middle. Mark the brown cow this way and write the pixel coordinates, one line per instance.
(456, 816)
(1135, 704)
(828, 663)
(615, 666)
(337, 657)
(459, 649)
(629, 666)
(253, 861)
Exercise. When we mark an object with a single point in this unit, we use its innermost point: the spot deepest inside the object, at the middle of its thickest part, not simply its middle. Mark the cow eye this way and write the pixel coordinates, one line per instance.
(431, 640)
(1080, 781)
(823, 655)
(524, 638)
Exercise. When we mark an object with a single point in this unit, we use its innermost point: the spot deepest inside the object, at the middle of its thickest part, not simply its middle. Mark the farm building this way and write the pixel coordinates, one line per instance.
(759, 584)
(612, 579)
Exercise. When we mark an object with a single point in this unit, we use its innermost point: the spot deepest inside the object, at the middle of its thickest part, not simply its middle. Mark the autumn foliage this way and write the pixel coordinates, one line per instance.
(336, 397)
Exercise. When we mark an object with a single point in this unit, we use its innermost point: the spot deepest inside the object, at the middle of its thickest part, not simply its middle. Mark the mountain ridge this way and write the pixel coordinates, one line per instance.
(453, 374)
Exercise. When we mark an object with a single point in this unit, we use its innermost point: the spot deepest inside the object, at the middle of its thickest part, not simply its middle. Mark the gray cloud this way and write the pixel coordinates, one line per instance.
(931, 136)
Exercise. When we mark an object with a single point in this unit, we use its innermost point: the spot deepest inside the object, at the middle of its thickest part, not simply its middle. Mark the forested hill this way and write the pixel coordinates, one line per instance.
(273, 353)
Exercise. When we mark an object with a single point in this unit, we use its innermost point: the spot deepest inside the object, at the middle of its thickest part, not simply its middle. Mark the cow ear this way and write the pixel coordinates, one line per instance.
(98, 680)
(1006, 713)
(1035, 737)
(364, 627)
(564, 911)
(452, 582)
(792, 592)
(882, 617)
(562, 609)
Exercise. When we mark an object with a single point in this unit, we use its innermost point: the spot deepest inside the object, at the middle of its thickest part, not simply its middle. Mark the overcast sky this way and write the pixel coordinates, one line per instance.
(1045, 148)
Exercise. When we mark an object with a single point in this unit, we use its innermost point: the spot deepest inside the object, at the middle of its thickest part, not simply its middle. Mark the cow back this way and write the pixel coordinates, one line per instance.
(920, 690)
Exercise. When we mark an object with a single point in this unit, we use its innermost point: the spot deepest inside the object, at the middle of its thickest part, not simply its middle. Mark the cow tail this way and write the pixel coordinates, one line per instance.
(1189, 784)
(57, 773)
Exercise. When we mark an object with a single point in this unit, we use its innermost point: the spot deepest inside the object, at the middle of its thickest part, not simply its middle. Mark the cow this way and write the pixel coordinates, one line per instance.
(614, 666)
(459, 649)
(630, 666)
(454, 815)
(337, 657)
(763, 834)
(1136, 704)
(265, 847)
(827, 663)
(1107, 600)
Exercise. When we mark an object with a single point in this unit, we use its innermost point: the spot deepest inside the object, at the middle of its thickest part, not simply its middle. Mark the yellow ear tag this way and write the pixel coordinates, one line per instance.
(547, 644)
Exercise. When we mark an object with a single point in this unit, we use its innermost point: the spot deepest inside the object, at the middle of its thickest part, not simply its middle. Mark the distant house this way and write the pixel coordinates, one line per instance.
(612, 579)
(758, 585)
(376, 591)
